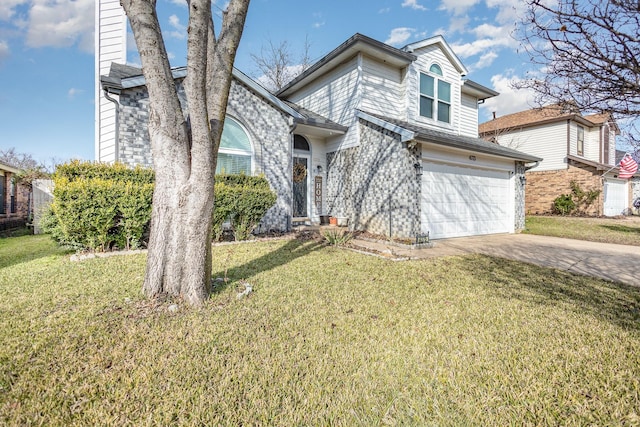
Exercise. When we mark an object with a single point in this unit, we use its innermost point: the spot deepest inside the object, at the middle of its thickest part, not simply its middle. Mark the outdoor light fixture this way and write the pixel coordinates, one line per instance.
(418, 167)
(319, 169)
(523, 180)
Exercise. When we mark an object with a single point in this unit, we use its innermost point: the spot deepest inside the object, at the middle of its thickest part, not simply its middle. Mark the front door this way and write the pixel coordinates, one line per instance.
(300, 187)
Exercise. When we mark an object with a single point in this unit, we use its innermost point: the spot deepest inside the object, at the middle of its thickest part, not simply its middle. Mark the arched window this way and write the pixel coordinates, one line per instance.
(435, 95)
(300, 143)
(435, 69)
(234, 155)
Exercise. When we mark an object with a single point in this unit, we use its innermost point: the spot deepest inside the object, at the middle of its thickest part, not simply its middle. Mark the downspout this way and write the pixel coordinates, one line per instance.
(116, 136)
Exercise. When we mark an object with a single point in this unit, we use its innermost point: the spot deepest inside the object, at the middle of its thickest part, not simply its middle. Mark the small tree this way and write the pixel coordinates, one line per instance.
(277, 64)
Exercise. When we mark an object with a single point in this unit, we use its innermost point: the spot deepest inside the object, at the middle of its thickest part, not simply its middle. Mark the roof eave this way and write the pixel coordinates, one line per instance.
(477, 90)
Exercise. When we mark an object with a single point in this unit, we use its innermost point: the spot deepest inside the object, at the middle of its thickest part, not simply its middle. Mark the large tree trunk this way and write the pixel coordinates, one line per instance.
(179, 255)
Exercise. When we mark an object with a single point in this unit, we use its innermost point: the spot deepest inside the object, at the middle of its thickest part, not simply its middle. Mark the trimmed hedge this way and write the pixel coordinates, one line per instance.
(242, 200)
(100, 206)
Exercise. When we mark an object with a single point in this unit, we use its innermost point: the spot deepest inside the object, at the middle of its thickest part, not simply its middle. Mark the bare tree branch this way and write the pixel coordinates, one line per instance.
(588, 51)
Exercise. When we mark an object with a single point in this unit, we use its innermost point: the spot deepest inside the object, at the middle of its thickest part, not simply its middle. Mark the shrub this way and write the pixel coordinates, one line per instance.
(243, 200)
(575, 203)
(564, 204)
(98, 206)
(336, 236)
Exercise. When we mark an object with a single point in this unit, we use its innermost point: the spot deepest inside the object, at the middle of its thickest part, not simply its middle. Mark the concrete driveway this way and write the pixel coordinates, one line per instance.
(620, 263)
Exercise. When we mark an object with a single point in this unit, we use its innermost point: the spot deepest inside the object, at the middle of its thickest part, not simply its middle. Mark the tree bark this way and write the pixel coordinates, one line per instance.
(179, 253)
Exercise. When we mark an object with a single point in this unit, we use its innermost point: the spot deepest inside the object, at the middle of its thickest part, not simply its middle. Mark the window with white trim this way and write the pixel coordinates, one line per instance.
(235, 153)
(435, 95)
(580, 147)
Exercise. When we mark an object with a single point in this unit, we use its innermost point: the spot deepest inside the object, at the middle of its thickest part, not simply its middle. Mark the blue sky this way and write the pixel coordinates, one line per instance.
(47, 64)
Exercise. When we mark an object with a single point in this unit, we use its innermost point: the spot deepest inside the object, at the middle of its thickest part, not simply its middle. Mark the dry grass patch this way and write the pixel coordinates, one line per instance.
(624, 230)
(327, 337)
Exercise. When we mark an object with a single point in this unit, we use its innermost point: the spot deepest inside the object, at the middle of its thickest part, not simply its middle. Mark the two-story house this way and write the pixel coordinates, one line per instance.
(384, 137)
(574, 148)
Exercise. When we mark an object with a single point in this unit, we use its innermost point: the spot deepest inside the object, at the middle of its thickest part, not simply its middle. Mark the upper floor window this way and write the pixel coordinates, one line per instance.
(435, 95)
(580, 141)
(235, 153)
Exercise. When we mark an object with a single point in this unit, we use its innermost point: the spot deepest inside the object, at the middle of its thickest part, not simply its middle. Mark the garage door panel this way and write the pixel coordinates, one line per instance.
(615, 197)
(462, 201)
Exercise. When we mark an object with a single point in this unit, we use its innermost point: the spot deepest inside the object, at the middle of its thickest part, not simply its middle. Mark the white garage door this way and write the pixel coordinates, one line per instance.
(461, 201)
(615, 197)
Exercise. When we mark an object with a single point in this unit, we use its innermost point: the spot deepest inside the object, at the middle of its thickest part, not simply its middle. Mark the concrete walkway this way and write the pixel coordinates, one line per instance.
(619, 263)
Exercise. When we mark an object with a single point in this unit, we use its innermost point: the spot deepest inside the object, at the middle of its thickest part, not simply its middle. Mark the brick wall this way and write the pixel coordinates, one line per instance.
(375, 184)
(543, 187)
(268, 129)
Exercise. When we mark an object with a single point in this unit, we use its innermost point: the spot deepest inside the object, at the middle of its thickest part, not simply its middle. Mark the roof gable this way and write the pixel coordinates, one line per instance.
(357, 43)
(440, 42)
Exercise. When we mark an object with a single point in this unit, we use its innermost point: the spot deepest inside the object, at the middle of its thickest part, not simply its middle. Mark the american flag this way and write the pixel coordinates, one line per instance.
(628, 167)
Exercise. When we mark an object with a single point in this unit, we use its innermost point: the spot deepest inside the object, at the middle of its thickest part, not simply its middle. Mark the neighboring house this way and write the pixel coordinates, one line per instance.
(574, 148)
(14, 199)
(382, 136)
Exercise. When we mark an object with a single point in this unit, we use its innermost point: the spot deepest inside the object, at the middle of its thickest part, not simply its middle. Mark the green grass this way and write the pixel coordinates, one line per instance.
(328, 337)
(624, 231)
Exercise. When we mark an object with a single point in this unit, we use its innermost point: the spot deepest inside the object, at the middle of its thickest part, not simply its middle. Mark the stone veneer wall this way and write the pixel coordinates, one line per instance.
(543, 187)
(375, 184)
(268, 129)
(520, 191)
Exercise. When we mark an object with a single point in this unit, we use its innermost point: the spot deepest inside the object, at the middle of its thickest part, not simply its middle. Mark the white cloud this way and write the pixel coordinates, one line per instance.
(318, 24)
(510, 100)
(485, 61)
(385, 10)
(458, 24)
(4, 51)
(457, 7)
(179, 31)
(413, 4)
(73, 92)
(487, 38)
(509, 11)
(399, 35)
(62, 23)
(7, 8)
(179, 2)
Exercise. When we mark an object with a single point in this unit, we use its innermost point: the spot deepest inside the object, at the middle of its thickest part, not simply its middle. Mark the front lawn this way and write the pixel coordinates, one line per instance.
(625, 231)
(328, 337)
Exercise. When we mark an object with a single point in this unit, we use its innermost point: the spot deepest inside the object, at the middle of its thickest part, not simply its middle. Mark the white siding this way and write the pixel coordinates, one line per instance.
(592, 144)
(469, 116)
(111, 28)
(426, 57)
(548, 141)
(335, 96)
(382, 89)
